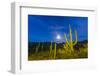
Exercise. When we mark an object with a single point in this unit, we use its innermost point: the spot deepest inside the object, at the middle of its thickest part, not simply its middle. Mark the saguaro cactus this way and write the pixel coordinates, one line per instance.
(42, 47)
(37, 48)
(70, 43)
(50, 54)
(55, 50)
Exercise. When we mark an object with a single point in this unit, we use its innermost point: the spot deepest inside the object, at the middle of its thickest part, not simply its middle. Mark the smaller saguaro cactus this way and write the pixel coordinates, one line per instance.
(54, 50)
(37, 47)
(50, 54)
(70, 43)
(42, 47)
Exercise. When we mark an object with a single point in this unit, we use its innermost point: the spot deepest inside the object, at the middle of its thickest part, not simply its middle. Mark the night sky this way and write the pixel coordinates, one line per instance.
(47, 28)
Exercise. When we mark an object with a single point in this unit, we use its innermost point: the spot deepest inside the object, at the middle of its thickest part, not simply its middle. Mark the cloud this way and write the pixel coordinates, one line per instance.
(56, 27)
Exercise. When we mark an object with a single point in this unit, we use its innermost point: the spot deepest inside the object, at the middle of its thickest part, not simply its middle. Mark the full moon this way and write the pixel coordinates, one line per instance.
(58, 37)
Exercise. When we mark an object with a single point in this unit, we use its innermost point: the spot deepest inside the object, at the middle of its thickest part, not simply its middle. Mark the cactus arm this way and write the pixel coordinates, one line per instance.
(64, 46)
(70, 34)
(76, 38)
(66, 38)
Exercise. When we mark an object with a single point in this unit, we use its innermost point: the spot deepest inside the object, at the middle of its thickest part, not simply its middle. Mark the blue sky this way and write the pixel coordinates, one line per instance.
(47, 28)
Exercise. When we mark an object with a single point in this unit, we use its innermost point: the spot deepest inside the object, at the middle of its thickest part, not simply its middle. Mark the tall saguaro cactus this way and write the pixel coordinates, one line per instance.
(70, 43)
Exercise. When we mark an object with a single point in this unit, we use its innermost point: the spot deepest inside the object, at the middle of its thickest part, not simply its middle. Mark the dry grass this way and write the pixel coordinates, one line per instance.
(60, 54)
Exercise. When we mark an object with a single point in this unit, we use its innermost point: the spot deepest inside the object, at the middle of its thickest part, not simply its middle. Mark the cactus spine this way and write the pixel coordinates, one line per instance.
(70, 43)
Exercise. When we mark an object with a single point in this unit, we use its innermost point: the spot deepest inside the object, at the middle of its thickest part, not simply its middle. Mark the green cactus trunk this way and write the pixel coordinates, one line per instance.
(42, 47)
(71, 42)
(50, 53)
(55, 50)
(37, 48)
